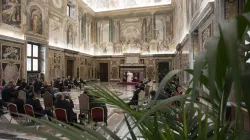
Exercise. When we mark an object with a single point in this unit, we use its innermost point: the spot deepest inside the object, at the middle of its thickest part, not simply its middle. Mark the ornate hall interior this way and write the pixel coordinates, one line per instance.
(113, 43)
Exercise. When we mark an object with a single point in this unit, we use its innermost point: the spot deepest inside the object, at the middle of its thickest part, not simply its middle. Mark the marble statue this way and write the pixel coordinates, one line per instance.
(129, 76)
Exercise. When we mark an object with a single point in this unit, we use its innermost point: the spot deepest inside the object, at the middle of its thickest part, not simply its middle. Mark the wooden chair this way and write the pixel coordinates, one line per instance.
(61, 115)
(48, 102)
(84, 104)
(22, 95)
(97, 115)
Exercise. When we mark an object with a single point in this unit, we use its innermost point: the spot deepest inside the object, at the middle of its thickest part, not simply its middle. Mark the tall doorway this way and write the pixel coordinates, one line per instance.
(104, 72)
(70, 68)
(163, 69)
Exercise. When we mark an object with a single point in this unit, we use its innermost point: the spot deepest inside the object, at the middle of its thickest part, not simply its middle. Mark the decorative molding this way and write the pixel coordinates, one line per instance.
(199, 19)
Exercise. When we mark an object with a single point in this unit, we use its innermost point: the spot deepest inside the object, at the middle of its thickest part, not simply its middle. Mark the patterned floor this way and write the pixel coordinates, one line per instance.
(115, 119)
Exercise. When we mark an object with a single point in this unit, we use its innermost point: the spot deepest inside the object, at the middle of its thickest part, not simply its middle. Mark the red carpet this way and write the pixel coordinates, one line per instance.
(129, 83)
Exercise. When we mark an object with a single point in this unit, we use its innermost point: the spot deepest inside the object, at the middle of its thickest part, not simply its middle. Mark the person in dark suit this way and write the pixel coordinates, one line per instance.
(18, 102)
(134, 100)
(67, 105)
(37, 86)
(38, 109)
(93, 103)
(8, 91)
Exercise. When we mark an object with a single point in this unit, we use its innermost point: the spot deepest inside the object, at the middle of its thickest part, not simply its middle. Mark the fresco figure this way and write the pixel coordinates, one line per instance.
(11, 13)
(36, 21)
(69, 36)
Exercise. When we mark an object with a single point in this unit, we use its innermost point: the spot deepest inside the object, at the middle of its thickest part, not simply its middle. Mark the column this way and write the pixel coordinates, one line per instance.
(110, 30)
(191, 53)
(98, 33)
(153, 25)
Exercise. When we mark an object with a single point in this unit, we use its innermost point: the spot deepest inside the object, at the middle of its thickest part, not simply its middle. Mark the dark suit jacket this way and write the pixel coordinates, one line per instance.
(64, 104)
(134, 100)
(7, 93)
(19, 103)
(36, 105)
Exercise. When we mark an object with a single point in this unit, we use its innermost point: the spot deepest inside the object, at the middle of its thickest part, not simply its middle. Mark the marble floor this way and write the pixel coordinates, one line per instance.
(116, 122)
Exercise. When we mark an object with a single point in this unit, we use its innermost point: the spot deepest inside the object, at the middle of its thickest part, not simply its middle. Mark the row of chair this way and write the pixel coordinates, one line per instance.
(97, 113)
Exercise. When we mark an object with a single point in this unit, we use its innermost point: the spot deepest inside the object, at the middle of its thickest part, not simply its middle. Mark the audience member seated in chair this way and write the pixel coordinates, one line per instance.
(134, 100)
(38, 109)
(7, 92)
(93, 104)
(18, 102)
(65, 104)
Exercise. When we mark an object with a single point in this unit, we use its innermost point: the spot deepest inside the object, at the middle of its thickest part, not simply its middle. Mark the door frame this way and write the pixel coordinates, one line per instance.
(157, 66)
(109, 72)
(74, 66)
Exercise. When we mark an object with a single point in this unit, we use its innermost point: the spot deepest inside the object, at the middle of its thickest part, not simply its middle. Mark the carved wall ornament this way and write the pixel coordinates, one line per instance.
(11, 53)
(58, 3)
(11, 72)
(206, 33)
(231, 8)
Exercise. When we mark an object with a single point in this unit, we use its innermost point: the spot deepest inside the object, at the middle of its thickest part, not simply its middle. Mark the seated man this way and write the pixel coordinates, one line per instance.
(65, 104)
(18, 102)
(38, 109)
(93, 104)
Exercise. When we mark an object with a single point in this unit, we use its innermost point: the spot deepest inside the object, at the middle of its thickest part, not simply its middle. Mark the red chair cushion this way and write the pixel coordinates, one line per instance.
(12, 109)
(29, 110)
(61, 114)
(97, 114)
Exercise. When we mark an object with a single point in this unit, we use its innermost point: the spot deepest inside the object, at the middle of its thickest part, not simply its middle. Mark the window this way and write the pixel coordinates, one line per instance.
(32, 57)
(68, 10)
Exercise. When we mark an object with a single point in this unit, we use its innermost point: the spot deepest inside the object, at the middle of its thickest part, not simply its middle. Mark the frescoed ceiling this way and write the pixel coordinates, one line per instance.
(108, 5)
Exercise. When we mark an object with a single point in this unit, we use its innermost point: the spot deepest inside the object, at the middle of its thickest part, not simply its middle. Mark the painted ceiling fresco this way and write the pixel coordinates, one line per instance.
(108, 5)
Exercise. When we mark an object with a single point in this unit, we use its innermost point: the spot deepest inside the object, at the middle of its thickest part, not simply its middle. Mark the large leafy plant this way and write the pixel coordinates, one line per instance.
(217, 70)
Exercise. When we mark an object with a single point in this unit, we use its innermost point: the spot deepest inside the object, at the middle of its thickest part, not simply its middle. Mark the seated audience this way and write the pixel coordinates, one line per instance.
(8, 92)
(38, 109)
(67, 105)
(18, 102)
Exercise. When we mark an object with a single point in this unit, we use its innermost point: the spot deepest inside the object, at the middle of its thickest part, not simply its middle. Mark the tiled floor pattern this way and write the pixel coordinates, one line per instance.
(115, 120)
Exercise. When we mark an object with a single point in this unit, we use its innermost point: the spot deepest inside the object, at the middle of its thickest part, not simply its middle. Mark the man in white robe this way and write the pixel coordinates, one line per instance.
(129, 77)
